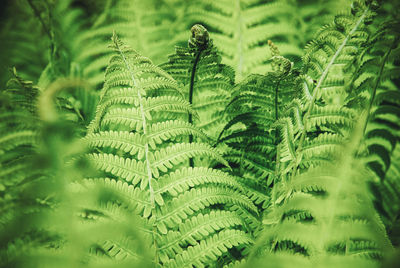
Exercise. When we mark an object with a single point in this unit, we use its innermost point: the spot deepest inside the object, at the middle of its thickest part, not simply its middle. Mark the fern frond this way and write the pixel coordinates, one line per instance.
(338, 221)
(206, 81)
(257, 104)
(139, 139)
(320, 110)
(241, 30)
(382, 98)
(210, 249)
(136, 23)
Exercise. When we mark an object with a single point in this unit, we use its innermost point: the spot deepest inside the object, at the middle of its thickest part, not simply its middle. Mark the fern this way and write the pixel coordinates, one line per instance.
(18, 143)
(314, 140)
(151, 156)
(241, 30)
(320, 115)
(381, 97)
(135, 23)
(26, 167)
(258, 103)
(206, 81)
(250, 134)
(322, 215)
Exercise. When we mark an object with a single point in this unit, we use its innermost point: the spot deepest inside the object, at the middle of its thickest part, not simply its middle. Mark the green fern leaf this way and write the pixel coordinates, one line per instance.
(139, 139)
(207, 82)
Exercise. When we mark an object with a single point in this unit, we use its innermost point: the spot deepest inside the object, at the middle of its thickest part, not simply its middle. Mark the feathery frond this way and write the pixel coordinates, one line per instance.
(138, 140)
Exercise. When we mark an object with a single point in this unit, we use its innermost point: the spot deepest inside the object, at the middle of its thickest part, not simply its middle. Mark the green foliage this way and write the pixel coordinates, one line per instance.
(267, 138)
(138, 138)
(328, 212)
(207, 83)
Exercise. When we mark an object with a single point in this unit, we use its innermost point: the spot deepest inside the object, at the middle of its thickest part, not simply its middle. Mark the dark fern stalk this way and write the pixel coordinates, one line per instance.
(198, 41)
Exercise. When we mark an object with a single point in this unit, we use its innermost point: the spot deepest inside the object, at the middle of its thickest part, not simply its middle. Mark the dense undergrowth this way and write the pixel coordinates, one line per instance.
(248, 133)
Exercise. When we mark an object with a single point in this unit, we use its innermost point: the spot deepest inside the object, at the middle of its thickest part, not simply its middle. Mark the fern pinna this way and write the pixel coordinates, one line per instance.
(139, 139)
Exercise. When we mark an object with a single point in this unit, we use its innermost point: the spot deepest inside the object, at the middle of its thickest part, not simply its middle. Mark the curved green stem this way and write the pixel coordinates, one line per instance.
(377, 82)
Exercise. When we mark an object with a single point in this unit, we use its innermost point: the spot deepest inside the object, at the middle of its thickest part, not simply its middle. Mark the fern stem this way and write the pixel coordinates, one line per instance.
(191, 88)
(377, 82)
(146, 146)
(144, 125)
(318, 86)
